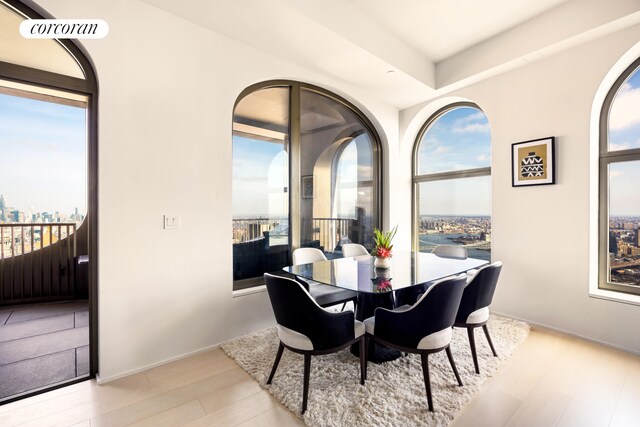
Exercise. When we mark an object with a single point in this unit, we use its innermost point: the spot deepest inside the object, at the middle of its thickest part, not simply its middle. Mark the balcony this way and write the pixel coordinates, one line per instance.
(40, 262)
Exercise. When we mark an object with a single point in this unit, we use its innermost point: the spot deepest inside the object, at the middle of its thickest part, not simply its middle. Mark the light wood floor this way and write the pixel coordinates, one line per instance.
(551, 380)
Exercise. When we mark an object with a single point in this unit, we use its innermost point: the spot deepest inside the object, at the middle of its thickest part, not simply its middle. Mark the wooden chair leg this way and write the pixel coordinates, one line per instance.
(305, 386)
(366, 355)
(344, 304)
(472, 343)
(427, 381)
(453, 365)
(486, 333)
(275, 364)
(363, 360)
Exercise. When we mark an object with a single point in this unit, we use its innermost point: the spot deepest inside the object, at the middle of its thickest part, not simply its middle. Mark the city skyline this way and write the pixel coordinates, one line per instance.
(13, 214)
(43, 166)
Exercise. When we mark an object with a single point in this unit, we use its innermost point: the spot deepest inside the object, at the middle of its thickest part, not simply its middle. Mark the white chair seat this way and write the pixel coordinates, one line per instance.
(479, 316)
(436, 340)
(358, 328)
(370, 324)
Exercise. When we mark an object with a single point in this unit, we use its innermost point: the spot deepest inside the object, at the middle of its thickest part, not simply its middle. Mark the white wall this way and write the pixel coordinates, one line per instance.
(542, 233)
(167, 90)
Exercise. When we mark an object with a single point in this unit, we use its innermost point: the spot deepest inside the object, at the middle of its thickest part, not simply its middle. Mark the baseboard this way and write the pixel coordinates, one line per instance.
(565, 332)
(100, 380)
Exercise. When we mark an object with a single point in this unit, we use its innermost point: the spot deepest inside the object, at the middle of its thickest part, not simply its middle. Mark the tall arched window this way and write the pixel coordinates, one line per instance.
(452, 181)
(306, 173)
(619, 176)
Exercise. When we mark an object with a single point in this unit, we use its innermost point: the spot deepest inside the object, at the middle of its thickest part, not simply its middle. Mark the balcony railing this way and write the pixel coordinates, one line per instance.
(38, 262)
(20, 238)
(327, 231)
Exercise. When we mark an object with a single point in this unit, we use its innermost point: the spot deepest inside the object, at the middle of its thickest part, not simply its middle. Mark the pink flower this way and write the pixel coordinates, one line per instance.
(383, 252)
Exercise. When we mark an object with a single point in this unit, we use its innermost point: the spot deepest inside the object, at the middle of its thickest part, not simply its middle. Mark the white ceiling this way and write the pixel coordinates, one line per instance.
(439, 29)
(431, 46)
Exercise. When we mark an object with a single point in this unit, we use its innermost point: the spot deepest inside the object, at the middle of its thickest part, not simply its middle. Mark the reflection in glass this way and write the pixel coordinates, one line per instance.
(455, 212)
(336, 150)
(260, 183)
(624, 222)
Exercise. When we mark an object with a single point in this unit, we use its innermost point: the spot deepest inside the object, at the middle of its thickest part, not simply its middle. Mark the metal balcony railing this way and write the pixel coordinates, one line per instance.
(326, 231)
(37, 262)
(23, 238)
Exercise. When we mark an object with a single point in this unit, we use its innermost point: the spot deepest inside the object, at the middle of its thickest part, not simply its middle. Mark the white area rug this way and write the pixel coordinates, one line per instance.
(394, 393)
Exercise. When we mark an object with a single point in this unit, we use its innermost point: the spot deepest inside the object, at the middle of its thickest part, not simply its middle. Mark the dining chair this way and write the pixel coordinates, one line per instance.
(424, 328)
(325, 295)
(353, 249)
(451, 251)
(306, 328)
(474, 307)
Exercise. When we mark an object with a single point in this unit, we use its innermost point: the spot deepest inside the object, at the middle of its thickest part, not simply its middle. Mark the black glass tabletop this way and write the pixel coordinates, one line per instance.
(407, 269)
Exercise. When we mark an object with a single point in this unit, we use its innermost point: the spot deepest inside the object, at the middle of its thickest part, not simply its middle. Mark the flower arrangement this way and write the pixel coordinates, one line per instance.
(383, 240)
(382, 285)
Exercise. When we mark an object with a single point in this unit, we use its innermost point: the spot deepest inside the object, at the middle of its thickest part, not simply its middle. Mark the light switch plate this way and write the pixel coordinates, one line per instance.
(171, 222)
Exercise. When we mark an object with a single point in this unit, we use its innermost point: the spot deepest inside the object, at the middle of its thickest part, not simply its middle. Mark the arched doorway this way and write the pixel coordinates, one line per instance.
(48, 210)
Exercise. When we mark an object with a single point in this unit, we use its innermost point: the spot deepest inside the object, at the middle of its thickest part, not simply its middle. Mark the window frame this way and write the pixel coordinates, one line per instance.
(417, 179)
(605, 159)
(246, 286)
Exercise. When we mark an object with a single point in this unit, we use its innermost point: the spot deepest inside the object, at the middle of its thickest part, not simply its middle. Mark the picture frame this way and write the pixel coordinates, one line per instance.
(533, 162)
(307, 187)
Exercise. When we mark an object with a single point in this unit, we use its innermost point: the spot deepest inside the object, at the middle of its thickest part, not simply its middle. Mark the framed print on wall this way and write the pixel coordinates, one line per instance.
(533, 162)
(307, 187)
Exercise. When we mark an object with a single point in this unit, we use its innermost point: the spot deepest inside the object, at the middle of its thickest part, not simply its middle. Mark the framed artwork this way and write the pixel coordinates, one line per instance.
(533, 162)
(307, 187)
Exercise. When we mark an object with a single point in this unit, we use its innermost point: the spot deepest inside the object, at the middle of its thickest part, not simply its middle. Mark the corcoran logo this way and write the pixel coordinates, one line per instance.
(64, 29)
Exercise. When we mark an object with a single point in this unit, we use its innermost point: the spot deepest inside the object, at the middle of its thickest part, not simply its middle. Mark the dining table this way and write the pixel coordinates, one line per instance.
(408, 276)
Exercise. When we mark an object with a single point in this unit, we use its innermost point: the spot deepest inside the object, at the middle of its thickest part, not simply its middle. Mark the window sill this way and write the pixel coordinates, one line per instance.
(615, 296)
(249, 291)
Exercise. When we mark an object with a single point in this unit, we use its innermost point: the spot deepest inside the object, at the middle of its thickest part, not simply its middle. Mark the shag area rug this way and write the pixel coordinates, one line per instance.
(394, 393)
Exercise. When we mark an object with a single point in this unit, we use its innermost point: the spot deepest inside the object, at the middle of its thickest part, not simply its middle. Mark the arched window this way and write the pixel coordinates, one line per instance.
(306, 173)
(452, 181)
(619, 176)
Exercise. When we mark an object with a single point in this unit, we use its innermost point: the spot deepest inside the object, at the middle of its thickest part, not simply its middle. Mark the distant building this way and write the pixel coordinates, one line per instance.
(613, 243)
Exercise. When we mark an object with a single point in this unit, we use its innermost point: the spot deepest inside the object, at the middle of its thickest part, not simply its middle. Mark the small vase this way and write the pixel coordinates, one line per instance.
(382, 262)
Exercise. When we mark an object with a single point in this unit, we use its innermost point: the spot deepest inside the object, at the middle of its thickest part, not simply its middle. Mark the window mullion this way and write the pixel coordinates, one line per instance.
(294, 168)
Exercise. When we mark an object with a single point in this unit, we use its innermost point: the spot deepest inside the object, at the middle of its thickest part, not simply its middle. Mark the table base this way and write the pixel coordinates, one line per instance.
(365, 308)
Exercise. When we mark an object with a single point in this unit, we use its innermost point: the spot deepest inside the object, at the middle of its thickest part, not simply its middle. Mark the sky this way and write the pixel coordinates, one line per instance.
(43, 163)
(457, 140)
(624, 134)
(260, 175)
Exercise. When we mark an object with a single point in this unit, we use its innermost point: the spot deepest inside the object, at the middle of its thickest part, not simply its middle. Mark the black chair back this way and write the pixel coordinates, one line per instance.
(295, 309)
(479, 293)
(434, 311)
